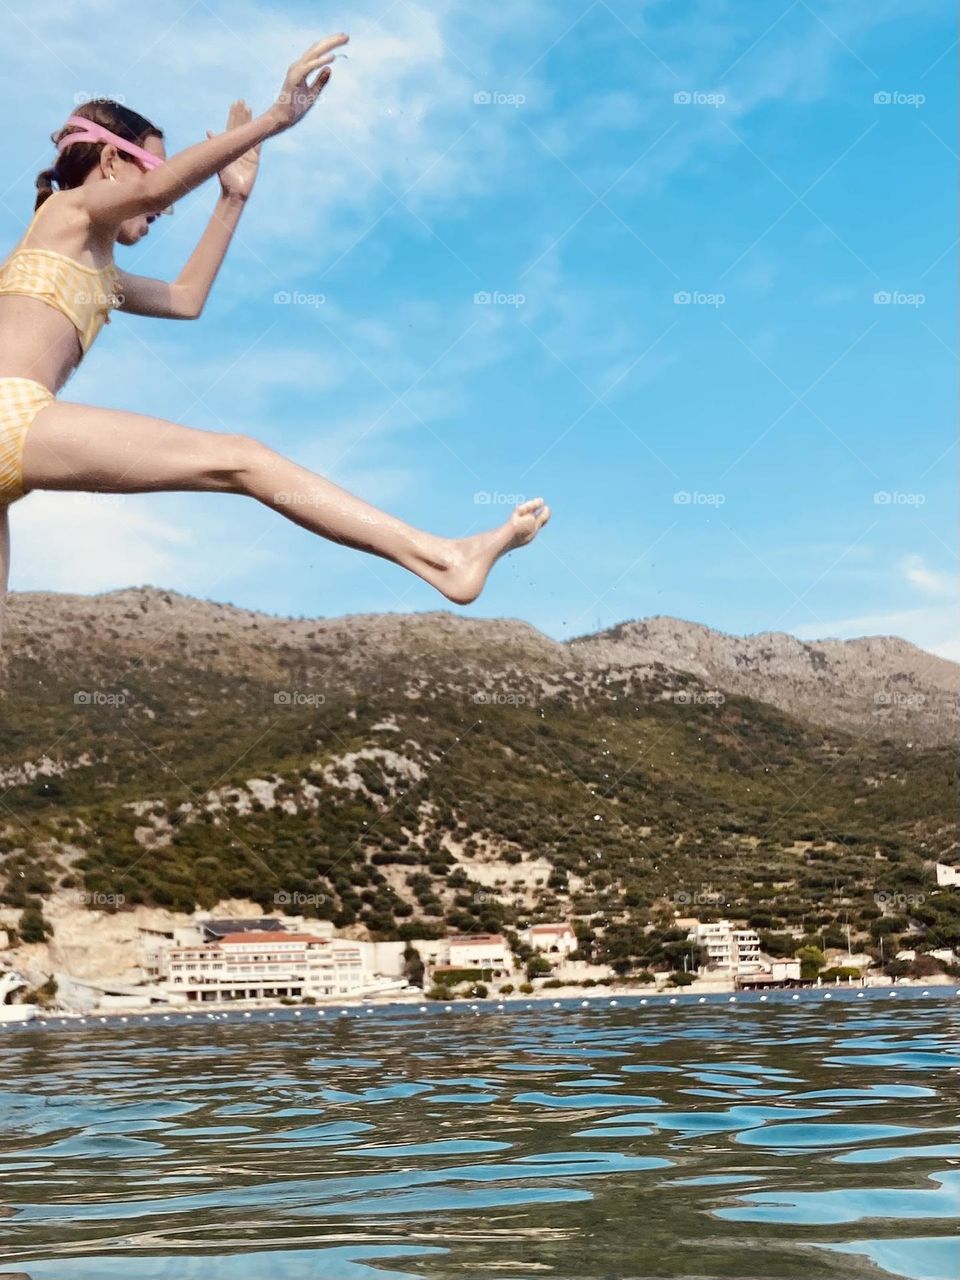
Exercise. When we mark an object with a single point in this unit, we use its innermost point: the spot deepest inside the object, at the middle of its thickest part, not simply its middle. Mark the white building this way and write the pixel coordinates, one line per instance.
(780, 973)
(9, 983)
(946, 955)
(733, 950)
(551, 939)
(263, 966)
(947, 875)
(483, 951)
(479, 950)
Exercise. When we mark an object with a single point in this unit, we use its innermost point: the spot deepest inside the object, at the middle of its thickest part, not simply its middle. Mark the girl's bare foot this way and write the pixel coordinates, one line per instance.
(463, 572)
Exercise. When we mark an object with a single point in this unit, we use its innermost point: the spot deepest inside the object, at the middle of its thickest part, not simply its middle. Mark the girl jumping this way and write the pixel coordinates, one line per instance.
(111, 179)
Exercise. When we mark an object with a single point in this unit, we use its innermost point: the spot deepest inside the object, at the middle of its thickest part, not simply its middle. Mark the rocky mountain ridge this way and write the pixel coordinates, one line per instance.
(875, 686)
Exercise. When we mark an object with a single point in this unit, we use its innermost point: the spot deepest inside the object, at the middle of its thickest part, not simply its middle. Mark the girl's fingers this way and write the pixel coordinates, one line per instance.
(323, 60)
(324, 46)
(315, 87)
(317, 55)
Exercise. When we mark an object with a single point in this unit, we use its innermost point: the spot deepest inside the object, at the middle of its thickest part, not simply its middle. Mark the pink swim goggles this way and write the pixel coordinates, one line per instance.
(90, 131)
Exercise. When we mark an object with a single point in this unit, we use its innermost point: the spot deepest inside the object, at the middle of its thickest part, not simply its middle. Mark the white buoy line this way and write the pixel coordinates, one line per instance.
(570, 1004)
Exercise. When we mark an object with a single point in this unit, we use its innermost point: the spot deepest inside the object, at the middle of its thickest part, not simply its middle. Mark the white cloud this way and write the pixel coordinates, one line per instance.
(93, 542)
(933, 628)
(927, 580)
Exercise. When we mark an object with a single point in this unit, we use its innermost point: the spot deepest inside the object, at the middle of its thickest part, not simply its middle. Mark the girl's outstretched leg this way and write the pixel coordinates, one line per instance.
(73, 447)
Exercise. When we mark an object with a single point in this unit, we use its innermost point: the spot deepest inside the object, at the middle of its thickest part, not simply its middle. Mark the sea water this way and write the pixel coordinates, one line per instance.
(812, 1137)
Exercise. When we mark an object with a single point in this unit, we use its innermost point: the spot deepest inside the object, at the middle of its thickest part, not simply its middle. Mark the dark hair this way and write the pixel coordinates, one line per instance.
(74, 163)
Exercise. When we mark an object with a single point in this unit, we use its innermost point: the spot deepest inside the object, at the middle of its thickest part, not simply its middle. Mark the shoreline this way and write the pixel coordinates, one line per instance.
(637, 998)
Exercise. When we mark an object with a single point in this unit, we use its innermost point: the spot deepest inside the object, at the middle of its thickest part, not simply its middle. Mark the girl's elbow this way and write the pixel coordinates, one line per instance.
(184, 304)
(160, 193)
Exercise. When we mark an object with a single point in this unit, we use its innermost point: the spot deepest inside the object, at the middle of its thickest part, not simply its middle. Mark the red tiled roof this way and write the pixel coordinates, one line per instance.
(469, 938)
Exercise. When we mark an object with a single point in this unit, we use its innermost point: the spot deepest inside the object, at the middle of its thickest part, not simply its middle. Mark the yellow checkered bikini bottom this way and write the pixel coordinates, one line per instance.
(21, 400)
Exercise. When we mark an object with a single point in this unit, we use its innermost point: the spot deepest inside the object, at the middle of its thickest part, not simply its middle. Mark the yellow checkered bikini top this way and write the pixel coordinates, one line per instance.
(85, 295)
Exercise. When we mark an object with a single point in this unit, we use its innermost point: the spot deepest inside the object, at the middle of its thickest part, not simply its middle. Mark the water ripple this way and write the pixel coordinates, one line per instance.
(356, 1147)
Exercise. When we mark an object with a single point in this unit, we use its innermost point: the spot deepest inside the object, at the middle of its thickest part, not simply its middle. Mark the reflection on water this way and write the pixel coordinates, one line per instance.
(781, 1139)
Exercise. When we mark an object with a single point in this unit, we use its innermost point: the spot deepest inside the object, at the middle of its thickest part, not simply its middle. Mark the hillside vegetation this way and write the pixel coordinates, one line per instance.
(418, 776)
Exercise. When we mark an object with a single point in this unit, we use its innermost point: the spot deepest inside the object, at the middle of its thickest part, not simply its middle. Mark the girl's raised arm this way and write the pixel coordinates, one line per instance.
(110, 203)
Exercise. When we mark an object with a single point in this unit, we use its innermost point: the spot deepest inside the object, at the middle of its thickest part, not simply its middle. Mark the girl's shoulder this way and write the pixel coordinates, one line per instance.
(61, 223)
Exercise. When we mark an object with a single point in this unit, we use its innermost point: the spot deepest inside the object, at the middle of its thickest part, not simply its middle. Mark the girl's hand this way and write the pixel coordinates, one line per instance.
(237, 179)
(299, 92)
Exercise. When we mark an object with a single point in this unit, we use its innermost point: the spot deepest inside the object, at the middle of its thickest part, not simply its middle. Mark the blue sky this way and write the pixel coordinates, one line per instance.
(774, 453)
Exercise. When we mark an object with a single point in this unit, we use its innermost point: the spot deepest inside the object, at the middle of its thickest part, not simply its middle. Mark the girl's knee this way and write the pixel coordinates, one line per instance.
(235, 461)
